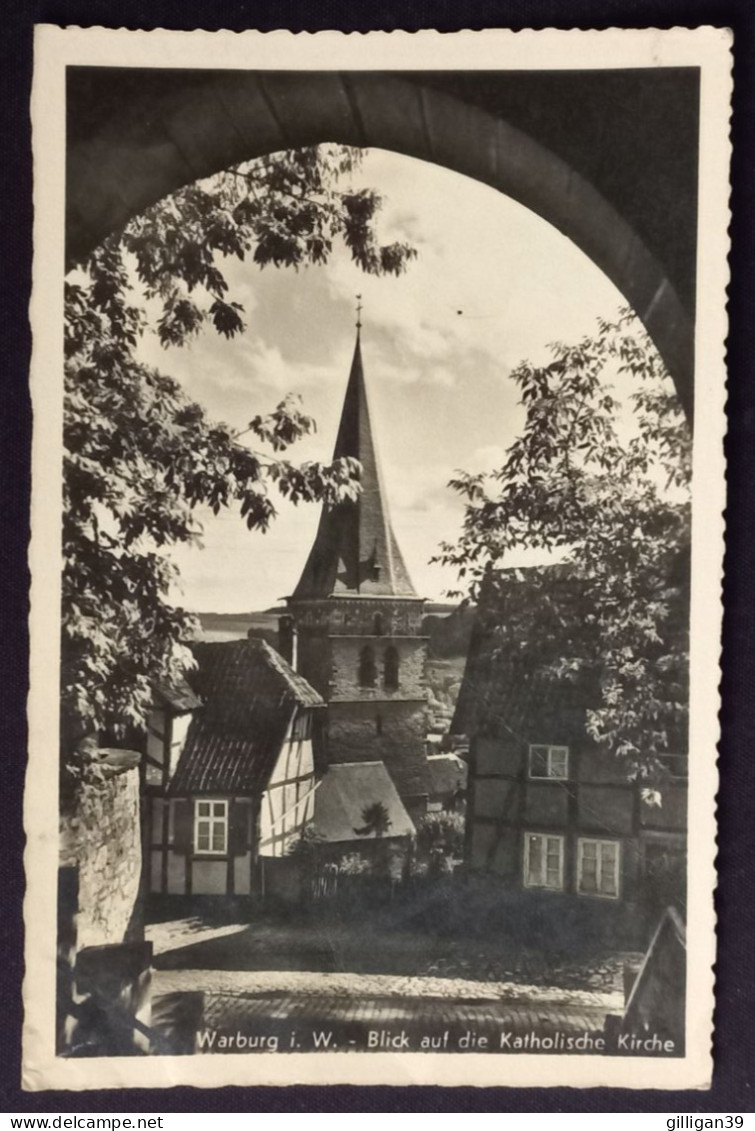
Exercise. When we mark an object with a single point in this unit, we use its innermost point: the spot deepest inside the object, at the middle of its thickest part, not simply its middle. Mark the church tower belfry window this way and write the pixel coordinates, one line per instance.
(367, 667)
(390, 669)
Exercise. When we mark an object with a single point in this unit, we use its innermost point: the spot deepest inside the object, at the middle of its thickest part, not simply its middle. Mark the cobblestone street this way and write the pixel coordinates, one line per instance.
(273, 954)
(349, 987)
(338, 980)
(382, 1023)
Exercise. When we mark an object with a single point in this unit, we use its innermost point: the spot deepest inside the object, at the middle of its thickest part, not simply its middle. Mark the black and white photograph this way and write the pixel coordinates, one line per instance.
(375, 570)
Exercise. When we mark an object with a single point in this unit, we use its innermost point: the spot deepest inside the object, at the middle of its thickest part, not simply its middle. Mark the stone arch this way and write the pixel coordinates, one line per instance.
(196, 123)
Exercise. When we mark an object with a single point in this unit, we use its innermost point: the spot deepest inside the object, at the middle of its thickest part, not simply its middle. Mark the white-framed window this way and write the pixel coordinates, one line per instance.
(549, 762)
(544, 861)
(598, 867)
(211, 827)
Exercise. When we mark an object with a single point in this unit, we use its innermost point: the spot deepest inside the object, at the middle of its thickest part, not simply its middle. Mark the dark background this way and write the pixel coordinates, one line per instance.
(734, 1043)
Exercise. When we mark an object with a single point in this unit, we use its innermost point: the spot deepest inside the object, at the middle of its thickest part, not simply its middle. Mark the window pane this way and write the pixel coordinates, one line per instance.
(608, 882)
(609, 870)
(558, 763)
(203, 808)
(219, 808)
(588, 878)
(539, 761)
(535, 861)
(218, 837)
(203, 840)
(553, 862)
(589, 850)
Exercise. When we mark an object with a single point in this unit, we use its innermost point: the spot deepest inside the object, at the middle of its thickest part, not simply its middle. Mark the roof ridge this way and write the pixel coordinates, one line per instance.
(293, 678)
(371, 762)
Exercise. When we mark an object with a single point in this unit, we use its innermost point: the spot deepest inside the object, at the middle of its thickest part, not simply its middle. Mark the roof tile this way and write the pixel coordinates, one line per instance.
(249, 693)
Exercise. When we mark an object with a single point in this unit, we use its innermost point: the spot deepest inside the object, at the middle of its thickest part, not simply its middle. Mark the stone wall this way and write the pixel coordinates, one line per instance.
(344, 683)
(353, 737)
(101, 837)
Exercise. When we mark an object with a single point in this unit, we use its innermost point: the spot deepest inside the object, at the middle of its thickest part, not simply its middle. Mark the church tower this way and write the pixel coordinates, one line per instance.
(355, 620)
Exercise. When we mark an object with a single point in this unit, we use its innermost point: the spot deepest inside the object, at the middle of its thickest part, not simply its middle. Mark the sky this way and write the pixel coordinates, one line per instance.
(492, 284)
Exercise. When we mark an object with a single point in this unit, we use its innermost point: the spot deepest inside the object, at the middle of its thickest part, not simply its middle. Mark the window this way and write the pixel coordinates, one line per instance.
(549, 762)
(390, 669)
(543, 861)
(211, 827)
(598, 868)
(367, 668)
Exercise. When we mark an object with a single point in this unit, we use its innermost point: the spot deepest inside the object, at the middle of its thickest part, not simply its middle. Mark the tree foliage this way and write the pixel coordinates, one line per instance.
(376, 821)
(440, 842)
(604, 486)
(139, 456)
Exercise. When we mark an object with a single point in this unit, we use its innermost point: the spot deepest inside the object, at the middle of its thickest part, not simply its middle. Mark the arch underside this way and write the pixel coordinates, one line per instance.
(180, 126)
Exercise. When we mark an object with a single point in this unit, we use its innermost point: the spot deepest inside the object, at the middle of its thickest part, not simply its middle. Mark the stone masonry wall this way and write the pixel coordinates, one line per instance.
(400, 744)
(102, 838)
(345, 653)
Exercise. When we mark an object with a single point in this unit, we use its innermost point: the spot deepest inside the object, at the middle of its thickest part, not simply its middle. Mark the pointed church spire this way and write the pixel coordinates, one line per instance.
(355, 550)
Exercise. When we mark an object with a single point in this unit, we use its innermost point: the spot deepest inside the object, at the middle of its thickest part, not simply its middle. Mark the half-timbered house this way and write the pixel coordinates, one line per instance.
(230, 772)
(552, 816)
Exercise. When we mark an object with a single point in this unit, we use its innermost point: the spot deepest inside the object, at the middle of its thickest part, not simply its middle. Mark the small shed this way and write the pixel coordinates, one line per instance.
(358, 802)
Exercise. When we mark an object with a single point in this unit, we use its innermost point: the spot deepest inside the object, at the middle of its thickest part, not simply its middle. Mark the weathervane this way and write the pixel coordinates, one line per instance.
(359, 312)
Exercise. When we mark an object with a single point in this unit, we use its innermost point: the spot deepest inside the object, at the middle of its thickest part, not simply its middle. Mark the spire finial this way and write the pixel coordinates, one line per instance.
(359, 312)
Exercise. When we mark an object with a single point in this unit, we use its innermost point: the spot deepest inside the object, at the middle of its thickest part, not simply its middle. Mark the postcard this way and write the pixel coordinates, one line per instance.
(376, 566)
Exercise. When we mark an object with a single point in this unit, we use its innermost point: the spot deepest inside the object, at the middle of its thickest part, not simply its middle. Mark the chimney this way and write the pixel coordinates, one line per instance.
(288, 640)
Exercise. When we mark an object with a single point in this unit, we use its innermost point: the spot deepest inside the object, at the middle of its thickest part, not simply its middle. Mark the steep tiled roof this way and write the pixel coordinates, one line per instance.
(249, 693)
(502, 692)
(505, 698)
(355, 550)
(346, 790)
(177, 695)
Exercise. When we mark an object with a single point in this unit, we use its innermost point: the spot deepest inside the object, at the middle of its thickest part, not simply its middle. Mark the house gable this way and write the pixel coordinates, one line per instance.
(287, 804)
(243, 772)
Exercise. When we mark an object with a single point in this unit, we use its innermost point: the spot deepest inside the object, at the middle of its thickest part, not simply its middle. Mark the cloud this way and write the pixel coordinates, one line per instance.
(486, 459)
(438, 380)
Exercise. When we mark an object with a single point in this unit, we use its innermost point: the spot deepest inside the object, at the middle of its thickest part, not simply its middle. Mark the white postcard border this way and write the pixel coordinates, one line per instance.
(57, 48)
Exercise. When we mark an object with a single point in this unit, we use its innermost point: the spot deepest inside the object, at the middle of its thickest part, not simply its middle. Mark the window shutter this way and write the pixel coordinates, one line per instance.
(183, 825)
(238, 840)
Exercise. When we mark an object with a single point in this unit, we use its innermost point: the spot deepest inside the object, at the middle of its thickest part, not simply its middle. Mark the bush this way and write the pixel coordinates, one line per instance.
(354, 864)
(440, 842)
